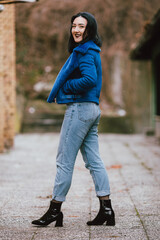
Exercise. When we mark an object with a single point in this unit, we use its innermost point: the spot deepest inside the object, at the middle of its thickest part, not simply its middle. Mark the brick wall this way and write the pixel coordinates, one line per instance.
(7, 77)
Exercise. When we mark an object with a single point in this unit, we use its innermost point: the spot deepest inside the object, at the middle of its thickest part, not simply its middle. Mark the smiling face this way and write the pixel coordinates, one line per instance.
(78, 28)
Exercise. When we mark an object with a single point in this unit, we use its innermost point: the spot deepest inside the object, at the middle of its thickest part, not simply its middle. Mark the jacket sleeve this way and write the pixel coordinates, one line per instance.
(89, 76)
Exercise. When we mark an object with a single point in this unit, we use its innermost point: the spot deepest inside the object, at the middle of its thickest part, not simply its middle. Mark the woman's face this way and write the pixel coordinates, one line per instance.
(78, 28)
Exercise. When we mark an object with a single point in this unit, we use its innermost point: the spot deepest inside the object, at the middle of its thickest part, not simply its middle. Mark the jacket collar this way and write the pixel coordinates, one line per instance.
(84, 47)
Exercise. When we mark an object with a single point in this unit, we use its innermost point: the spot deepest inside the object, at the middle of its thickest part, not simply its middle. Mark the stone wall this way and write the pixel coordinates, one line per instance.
(7, 77)
(131, 91)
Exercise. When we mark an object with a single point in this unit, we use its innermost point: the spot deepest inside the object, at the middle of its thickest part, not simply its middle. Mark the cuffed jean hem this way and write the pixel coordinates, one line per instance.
(102, 193)
(59, 199)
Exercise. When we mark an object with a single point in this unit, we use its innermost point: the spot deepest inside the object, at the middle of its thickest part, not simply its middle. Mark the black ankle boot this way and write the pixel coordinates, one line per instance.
(105, 214)
(53, 214)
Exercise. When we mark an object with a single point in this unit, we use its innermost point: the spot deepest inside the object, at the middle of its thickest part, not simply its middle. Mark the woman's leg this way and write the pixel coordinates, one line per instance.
(72, 134)
(91, 156)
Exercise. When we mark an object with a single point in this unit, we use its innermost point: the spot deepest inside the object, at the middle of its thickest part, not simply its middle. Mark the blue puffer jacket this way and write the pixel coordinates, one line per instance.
(80, 79)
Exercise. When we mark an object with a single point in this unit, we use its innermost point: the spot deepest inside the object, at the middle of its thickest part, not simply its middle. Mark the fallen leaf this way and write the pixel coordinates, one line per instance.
(114, 167)
(72, 216)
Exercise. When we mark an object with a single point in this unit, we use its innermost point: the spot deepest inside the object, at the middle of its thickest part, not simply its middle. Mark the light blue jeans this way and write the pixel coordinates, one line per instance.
(79, 131)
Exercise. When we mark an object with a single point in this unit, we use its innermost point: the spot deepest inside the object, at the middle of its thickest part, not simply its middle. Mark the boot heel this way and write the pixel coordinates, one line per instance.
(110, 222)
(59, 222)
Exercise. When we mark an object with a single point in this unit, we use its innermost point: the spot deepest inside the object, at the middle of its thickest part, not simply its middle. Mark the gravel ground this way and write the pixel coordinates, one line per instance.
(27, 175)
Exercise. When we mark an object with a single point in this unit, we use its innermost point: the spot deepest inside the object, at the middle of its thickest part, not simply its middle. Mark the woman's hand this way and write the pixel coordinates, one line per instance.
(65, 88)
(88, 77)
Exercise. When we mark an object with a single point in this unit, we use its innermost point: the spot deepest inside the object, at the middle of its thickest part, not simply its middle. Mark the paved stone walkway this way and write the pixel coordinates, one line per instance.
(26, 180)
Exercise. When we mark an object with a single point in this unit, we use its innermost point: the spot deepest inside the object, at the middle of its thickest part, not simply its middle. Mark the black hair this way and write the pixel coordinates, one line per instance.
(91, 29)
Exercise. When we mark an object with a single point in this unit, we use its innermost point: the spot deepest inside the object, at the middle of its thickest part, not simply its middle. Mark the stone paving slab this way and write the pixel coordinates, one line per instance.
(27, 175)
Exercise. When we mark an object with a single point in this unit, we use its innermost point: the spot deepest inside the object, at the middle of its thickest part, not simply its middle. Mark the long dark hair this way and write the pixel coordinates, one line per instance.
(91, 29)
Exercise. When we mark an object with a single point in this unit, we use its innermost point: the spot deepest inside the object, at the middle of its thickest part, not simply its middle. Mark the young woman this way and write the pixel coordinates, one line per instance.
(78, 85)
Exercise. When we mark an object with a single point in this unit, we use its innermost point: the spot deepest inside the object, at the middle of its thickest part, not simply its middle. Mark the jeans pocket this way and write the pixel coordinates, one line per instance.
(86, 112)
